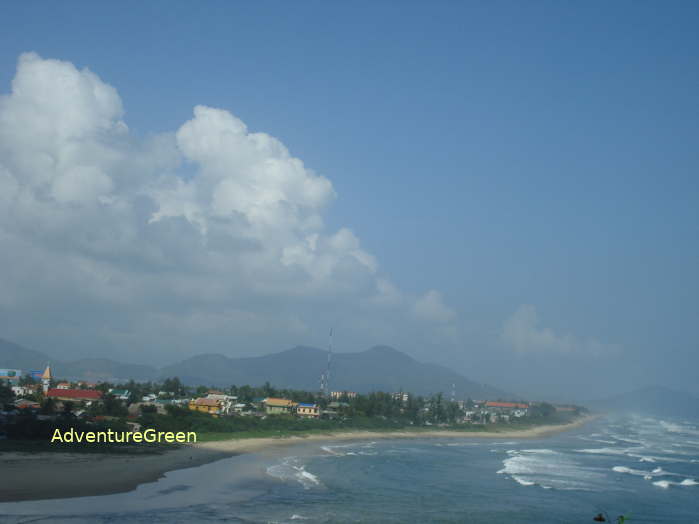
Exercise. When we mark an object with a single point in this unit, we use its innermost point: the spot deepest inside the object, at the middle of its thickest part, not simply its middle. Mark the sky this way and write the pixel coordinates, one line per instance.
(509, 189)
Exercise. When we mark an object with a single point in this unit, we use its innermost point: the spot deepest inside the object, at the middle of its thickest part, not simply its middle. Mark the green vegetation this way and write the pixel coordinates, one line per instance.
(377, 411)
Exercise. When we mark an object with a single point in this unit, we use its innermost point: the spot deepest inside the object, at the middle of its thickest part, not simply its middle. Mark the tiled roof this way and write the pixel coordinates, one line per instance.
(119, 392)
(23, 403)
(279, 402)
(77, 394)
(511, 405)
(206, 402)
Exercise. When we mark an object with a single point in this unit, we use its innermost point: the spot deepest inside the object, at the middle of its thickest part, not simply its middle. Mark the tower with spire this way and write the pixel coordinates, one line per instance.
(46, 379)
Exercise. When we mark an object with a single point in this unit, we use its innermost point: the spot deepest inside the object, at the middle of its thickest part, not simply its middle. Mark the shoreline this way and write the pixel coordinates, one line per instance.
(52, 475)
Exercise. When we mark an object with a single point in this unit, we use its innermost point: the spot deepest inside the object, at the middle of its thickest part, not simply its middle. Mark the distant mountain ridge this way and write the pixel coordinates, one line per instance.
(92, 369)
(379, 368)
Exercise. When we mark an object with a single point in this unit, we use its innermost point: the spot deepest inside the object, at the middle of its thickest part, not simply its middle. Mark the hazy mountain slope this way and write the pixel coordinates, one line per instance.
(96, 369)
(15, 356)
(379, 368)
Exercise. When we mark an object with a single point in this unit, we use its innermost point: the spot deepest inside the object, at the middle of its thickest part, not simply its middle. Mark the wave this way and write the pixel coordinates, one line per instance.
(672, 427)
(523, 482)
(606, 451)
(547, 469)
(647, 475)
(666, 483)
(331, 451)
(291, 469)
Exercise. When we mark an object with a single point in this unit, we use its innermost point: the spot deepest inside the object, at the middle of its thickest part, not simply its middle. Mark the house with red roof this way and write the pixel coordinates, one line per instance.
(506, 409)
(74, 395)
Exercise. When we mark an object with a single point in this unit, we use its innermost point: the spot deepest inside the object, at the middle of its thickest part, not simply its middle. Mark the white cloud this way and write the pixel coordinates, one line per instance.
(95, 219)
(430, 307)
(522, 333)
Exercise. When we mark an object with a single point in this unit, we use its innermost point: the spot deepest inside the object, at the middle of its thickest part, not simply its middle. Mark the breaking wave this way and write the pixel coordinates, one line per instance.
(547, 469)
(291, 469)
(667, 483)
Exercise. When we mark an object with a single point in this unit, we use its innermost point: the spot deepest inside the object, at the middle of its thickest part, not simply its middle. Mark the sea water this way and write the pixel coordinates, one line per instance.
(641, 467)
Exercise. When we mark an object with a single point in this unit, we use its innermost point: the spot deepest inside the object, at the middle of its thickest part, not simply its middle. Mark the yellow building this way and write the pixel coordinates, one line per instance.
(279, 406)
(206, 405)
(308, 410)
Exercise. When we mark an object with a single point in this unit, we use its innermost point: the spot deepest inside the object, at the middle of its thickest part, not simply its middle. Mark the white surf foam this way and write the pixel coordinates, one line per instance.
(291, 469)
(605, 451)
(648, 475)
(523, 482)
(548, 469)
(666, 483)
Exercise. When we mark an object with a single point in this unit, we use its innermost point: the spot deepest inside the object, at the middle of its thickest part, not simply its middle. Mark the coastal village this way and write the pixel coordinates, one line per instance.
(48, 398)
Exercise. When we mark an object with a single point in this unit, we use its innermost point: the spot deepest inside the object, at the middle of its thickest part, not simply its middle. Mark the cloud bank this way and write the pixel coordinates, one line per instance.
(179, 242)
(522, 333)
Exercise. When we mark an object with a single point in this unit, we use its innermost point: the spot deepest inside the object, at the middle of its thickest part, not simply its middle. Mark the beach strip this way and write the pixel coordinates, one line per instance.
(51, 475)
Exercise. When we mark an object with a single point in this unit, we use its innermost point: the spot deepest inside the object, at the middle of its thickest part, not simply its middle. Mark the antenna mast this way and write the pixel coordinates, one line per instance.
(325, 377)
(327, 371)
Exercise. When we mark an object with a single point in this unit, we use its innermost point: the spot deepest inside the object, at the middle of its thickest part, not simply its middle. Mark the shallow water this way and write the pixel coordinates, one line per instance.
(643, 467)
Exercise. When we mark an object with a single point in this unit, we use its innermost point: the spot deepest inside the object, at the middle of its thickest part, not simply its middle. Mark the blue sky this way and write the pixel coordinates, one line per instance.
(509, 156)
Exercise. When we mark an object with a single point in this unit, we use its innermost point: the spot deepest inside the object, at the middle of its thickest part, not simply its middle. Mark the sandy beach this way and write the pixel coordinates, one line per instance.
(37, 476)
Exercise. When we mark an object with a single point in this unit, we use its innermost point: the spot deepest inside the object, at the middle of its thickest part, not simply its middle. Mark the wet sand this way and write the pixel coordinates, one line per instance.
(47, 475)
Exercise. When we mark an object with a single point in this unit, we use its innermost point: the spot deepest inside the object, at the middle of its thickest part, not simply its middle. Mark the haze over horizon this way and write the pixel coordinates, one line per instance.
(511, 192)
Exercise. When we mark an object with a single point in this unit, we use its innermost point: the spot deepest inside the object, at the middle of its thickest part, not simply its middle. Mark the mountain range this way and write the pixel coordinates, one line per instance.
(380, 368)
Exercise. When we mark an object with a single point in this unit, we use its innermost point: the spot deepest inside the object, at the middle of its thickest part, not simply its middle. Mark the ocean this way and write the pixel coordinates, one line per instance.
(644, 468)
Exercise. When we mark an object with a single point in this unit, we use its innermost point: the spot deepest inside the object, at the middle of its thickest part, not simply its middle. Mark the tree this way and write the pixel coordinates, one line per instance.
(48, 406)
(173, 385)
(543, 409)
(6, 394)
(27, 380)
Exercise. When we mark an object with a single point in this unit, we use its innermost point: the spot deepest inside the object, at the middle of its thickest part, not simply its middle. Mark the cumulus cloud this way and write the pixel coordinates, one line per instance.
(431, 308)
(521, 332)
(96, 220)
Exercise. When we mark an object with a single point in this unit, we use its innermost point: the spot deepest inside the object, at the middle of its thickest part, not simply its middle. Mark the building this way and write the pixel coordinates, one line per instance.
(258, 403)
(515, 409)
(46, 379)
(63, 385)
(11, 375)
(74, 395)
(23, 391)
(226, 402)
(23, 403)
(214, 404)
(308, 410)
(121, 394)
(240, 408)
(337, 395)
(401, 397)
(279, 406)
(206, 405)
